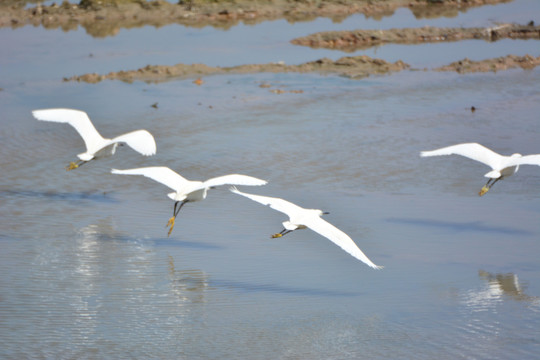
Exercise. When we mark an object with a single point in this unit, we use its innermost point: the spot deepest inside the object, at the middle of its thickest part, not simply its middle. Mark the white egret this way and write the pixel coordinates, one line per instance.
(185, 190)
(96, 145)
(502, 166)
(300, 218)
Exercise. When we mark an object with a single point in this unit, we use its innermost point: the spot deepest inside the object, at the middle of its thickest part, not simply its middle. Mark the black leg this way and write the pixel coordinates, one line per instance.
(174, 209)
(285, 232)
(177, 210)
(493, 183)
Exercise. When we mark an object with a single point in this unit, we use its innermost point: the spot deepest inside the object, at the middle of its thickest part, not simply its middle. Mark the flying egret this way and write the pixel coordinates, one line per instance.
(300, 218)
(502, 166)
(96, 145)
(185, 190)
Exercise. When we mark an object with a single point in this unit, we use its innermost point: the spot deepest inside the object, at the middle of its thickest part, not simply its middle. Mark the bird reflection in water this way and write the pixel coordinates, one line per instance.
(189, 285)
(498, 288)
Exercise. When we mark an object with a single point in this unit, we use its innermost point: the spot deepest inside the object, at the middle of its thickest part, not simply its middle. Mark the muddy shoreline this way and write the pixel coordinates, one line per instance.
(497, 64)
(362, 39)
(103, 18)
(354, 67)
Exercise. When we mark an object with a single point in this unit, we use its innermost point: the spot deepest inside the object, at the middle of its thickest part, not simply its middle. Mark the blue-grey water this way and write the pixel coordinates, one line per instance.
(87, 270)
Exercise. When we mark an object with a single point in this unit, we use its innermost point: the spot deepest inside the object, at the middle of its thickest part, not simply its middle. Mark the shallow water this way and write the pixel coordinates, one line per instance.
(89, 272)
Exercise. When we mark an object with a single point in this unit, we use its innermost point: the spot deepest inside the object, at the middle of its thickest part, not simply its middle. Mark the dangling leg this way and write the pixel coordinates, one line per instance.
(171, 220)
(282, 233)
(494, 181)
(488, 185)
(73, 165)
(176, 210)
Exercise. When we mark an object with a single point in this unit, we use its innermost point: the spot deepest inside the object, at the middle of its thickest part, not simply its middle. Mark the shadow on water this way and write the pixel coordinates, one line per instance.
(95, 196)
(278, 289)
(185, 244)
(104, 230)
(474, 226)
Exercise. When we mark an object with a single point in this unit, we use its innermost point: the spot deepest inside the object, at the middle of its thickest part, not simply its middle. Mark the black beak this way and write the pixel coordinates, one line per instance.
(326, 212)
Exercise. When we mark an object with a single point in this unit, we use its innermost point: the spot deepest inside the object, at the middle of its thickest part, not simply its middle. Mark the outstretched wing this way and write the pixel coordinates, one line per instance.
(234, 179)
(140, 140)
(472, 151)
(278, 204)
(161, 174)
(76, 118)
(526, 160)
(339, 238)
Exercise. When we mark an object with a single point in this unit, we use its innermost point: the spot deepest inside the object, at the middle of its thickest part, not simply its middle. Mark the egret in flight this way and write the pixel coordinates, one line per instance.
(300, 218)
(185, 190)
(502, 166)
(96, 145)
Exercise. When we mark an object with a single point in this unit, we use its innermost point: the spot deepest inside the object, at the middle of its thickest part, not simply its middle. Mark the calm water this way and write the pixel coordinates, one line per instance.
(87, 270)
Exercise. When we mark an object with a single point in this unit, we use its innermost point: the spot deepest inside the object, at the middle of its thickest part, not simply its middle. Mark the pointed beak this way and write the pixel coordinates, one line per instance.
(326, 212)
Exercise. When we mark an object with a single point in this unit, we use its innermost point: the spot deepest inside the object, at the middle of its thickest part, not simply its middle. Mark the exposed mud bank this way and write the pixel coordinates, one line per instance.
(496, 64)
(357, 67)
(103, 18)
(353, 67)
(362, 39)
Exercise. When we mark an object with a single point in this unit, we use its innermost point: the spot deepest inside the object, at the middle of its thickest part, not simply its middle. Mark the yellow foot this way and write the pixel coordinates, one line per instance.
(171, 224)
(71, 166)
(276, 236)
(484, 190)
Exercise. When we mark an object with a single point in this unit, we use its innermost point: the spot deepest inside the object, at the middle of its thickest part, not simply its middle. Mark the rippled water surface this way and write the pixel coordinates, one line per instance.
(87, 269)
